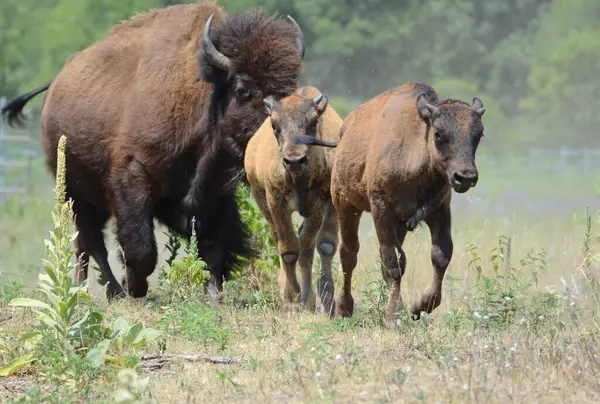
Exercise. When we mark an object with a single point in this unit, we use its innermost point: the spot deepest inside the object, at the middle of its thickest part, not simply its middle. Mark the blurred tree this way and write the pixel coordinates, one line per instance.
(517, 55)
(564, 85)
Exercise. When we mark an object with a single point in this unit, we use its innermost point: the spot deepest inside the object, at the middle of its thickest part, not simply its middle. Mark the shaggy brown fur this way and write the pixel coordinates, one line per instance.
(153, 114)
(399, 157)
(286, 174)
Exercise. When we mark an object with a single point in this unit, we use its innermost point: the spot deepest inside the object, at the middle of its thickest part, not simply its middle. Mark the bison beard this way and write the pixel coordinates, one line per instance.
(140, 139)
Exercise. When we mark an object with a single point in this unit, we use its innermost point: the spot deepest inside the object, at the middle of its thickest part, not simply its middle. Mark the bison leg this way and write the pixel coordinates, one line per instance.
(288, 247)
(392, 270)
(225, 243)
(307, 233)
(90, 241)
(439, 224)
(327, 241)
(349, 220)
(135, 225)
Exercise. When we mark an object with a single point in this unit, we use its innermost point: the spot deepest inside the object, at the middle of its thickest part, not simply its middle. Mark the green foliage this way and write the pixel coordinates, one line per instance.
(69, 341)
(268, 259)
(523, 58)
(198, 322)
(185, 277)
(566, 55)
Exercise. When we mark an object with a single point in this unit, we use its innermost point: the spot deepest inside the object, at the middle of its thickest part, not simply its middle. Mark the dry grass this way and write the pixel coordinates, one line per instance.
(449, 357)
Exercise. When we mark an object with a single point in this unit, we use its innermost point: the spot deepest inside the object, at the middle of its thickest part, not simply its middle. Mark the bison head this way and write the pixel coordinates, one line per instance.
(294, 121)
(457, 130)
(249, 57)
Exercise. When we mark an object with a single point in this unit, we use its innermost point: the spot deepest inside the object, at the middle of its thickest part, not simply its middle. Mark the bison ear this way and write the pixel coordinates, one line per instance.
(478, 106)
(321, 103)
(269, 103)
(427, 111)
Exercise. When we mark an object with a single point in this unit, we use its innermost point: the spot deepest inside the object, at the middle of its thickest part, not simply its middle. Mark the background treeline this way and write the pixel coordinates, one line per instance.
(535, 63)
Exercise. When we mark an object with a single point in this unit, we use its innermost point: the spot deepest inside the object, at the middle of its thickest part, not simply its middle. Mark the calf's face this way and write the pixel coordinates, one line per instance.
(294, 121)
(457, 130)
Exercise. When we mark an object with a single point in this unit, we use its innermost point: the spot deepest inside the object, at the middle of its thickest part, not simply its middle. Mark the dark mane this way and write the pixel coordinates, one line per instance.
(259, 46)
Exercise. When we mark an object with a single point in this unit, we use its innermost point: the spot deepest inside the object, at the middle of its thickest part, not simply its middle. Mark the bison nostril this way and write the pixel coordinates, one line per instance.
(463, 177)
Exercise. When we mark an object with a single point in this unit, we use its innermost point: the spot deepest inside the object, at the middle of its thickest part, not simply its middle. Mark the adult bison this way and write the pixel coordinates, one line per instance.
(400, 156)
(169, 99)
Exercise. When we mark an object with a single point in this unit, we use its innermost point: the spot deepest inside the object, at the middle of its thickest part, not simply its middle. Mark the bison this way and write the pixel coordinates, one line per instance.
(157, 117)
(399, 157)
(286, 175)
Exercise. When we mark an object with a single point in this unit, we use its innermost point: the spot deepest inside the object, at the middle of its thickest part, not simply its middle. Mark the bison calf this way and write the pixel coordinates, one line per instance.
(399, 157)
(287, 175)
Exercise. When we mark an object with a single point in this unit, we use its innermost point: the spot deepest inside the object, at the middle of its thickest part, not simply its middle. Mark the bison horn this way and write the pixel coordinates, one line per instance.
(300, 37)
(318, 99)
(216, 58)
(478, 106)
(309, 140)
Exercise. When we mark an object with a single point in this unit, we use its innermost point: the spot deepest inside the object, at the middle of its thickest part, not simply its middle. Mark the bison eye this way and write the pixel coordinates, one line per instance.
(437, 135)
(242, 93)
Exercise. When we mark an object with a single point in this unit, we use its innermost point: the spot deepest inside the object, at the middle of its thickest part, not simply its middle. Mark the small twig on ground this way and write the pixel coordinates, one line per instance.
(192, 358)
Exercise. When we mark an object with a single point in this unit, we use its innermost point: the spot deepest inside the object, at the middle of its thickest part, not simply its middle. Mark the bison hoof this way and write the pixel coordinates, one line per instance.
(345, 306)
(115, 292)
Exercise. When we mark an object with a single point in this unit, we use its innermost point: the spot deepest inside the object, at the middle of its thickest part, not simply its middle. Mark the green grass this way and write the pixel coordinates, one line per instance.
(521, 324)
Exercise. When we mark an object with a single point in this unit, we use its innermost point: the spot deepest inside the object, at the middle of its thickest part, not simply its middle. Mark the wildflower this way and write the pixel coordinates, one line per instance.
(318, 374)
(486, 317)
(312, 349)
(507, 298)
(193, 226)
(540, 318)
(466, 387)
(507, 366)
(522, 321)
(455, 359)
(476, 314)
(338, 357)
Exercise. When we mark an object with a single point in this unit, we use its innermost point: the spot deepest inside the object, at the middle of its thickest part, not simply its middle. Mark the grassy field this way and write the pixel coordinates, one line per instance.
(519, 320)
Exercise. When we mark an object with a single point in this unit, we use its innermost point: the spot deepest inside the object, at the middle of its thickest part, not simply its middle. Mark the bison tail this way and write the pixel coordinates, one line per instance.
(13, 111)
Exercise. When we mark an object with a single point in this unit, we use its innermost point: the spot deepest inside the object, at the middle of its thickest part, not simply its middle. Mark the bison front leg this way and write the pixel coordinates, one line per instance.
(439, 224)
(327, 241)
(349, 220)
(307, 234)
(288, 247)
(392, 270)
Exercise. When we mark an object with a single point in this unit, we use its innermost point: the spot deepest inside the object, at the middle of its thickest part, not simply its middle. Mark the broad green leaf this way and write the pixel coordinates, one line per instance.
(121, 324)
(133, 334)
(16, 364)
(27, 302)
(150, 334)
(97, 354)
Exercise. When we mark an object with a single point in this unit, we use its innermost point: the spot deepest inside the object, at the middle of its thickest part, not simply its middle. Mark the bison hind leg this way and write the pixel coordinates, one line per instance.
(90, 222)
